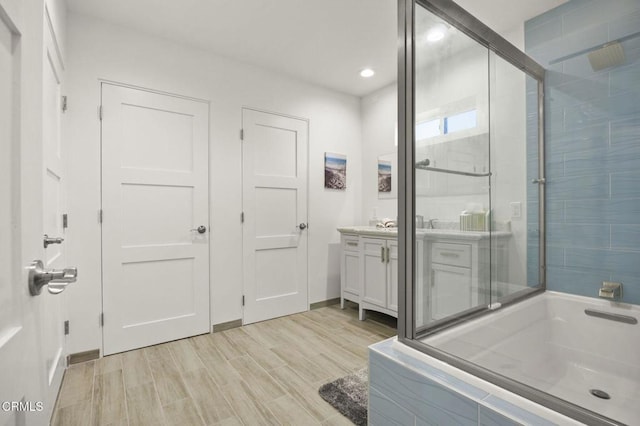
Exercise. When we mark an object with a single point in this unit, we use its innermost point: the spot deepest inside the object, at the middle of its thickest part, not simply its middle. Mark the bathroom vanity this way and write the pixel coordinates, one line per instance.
(452, 269)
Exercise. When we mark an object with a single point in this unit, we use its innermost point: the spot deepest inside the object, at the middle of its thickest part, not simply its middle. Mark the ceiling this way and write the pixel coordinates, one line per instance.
(323, 42)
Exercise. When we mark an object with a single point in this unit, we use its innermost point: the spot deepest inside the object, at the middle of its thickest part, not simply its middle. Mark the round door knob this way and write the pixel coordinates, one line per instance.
(201, 229)
(302, 226)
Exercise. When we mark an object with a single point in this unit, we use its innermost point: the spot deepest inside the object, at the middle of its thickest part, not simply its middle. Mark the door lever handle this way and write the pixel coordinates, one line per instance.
(62, 278)
(51, 240)
(200, 229)
(56, 279)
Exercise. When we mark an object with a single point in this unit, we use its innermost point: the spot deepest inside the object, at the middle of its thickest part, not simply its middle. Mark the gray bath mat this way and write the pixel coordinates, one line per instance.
(349, 395)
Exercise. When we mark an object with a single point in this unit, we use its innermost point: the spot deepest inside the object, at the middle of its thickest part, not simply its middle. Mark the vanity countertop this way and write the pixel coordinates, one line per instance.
(423, 233)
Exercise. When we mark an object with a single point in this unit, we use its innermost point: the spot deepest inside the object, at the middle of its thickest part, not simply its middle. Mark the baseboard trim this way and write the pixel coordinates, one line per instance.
(324, 303)
(79, 357)
(215, 328)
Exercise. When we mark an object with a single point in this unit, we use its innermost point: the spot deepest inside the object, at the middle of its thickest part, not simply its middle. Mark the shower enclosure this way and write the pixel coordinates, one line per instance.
(478, 175)
(471, 115)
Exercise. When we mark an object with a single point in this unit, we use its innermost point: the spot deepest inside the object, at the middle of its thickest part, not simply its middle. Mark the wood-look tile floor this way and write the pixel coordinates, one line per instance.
(263, 373)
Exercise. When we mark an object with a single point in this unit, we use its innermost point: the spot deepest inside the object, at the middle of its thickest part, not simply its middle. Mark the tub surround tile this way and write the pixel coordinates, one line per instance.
(625, 132)
(625, 185)
(576, 281)
(624, 79)
(589, 138)
(384, 411)
(489, 417)
(578, 187)
(386, 347)
(614, 261)
(555, 256)
(403, 386)
(406, 391)
(623, 212)
(544, 32)
(515, 412)
(578, 235)
(592, 134)
(626, 237)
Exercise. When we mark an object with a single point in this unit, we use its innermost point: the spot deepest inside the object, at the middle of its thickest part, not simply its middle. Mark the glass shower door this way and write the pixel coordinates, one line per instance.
(452, 171)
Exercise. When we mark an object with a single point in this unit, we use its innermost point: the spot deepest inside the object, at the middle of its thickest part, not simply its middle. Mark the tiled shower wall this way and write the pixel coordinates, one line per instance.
(592, 134)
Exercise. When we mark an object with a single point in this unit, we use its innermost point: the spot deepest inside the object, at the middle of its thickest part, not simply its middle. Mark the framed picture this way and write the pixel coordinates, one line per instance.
(384, 175)
(387, 173)
(335, 171)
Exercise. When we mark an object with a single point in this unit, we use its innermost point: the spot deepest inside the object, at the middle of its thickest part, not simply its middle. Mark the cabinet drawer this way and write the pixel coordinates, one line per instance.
(350, 243)
(451, 254)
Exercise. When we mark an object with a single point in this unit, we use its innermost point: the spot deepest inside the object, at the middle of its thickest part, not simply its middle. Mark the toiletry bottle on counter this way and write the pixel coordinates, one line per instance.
(373, 220)
(465, 221)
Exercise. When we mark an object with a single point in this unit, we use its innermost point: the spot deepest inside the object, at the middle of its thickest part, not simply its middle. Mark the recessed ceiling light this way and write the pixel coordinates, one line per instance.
(435, 34)
(367, 72)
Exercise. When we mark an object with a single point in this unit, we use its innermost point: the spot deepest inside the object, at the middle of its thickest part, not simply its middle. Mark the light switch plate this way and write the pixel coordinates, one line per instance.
(516, 209)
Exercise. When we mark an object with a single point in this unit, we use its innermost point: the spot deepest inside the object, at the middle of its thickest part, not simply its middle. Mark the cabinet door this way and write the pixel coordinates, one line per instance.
(392, 275)
(351, 272)
(350, 265)
(450, 290)
(374, 271)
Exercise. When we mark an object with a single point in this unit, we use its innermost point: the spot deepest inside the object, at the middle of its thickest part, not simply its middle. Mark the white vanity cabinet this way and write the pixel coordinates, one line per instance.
(453, 270)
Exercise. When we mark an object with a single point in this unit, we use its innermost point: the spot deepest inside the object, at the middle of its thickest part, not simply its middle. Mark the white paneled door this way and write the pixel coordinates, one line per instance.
(155, 229)
(274, 159)
(54, 309)
(14, 304)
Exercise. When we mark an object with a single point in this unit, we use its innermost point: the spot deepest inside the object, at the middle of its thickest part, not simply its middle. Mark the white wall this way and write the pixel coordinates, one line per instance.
(98, 50)
(379, 116)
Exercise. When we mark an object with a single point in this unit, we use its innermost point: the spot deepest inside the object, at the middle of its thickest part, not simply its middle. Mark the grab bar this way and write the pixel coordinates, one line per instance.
(613, 317)
(423, 165)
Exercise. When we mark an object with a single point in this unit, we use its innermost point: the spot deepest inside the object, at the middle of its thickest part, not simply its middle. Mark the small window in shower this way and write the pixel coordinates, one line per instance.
(462, 121)
(428, 129)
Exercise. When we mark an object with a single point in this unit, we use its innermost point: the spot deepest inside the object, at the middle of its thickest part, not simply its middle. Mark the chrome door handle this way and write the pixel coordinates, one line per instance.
(51, 240)
(56, 279)
(200, 229)
(540, 181)
(302, 226)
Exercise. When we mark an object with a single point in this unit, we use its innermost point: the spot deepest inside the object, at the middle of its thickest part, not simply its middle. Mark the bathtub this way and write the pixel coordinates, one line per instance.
(549, 343)
(546, 342)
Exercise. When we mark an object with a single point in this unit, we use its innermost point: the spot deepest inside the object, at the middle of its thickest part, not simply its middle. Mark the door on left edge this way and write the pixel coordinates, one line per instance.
(155, 227)
(54, 307)
(32, 344)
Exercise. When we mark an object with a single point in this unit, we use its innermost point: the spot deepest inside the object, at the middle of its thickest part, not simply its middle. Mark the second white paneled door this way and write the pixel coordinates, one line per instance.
(274, 162)
(155, 202)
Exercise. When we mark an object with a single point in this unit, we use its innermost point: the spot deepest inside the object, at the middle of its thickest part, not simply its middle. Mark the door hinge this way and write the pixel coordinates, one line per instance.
(65, 221)
(241, 134)
(63, 103)
(242, 300)
(242, 217)
(100, 216)
(100, 112)
(66, 327)
(101, 319)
